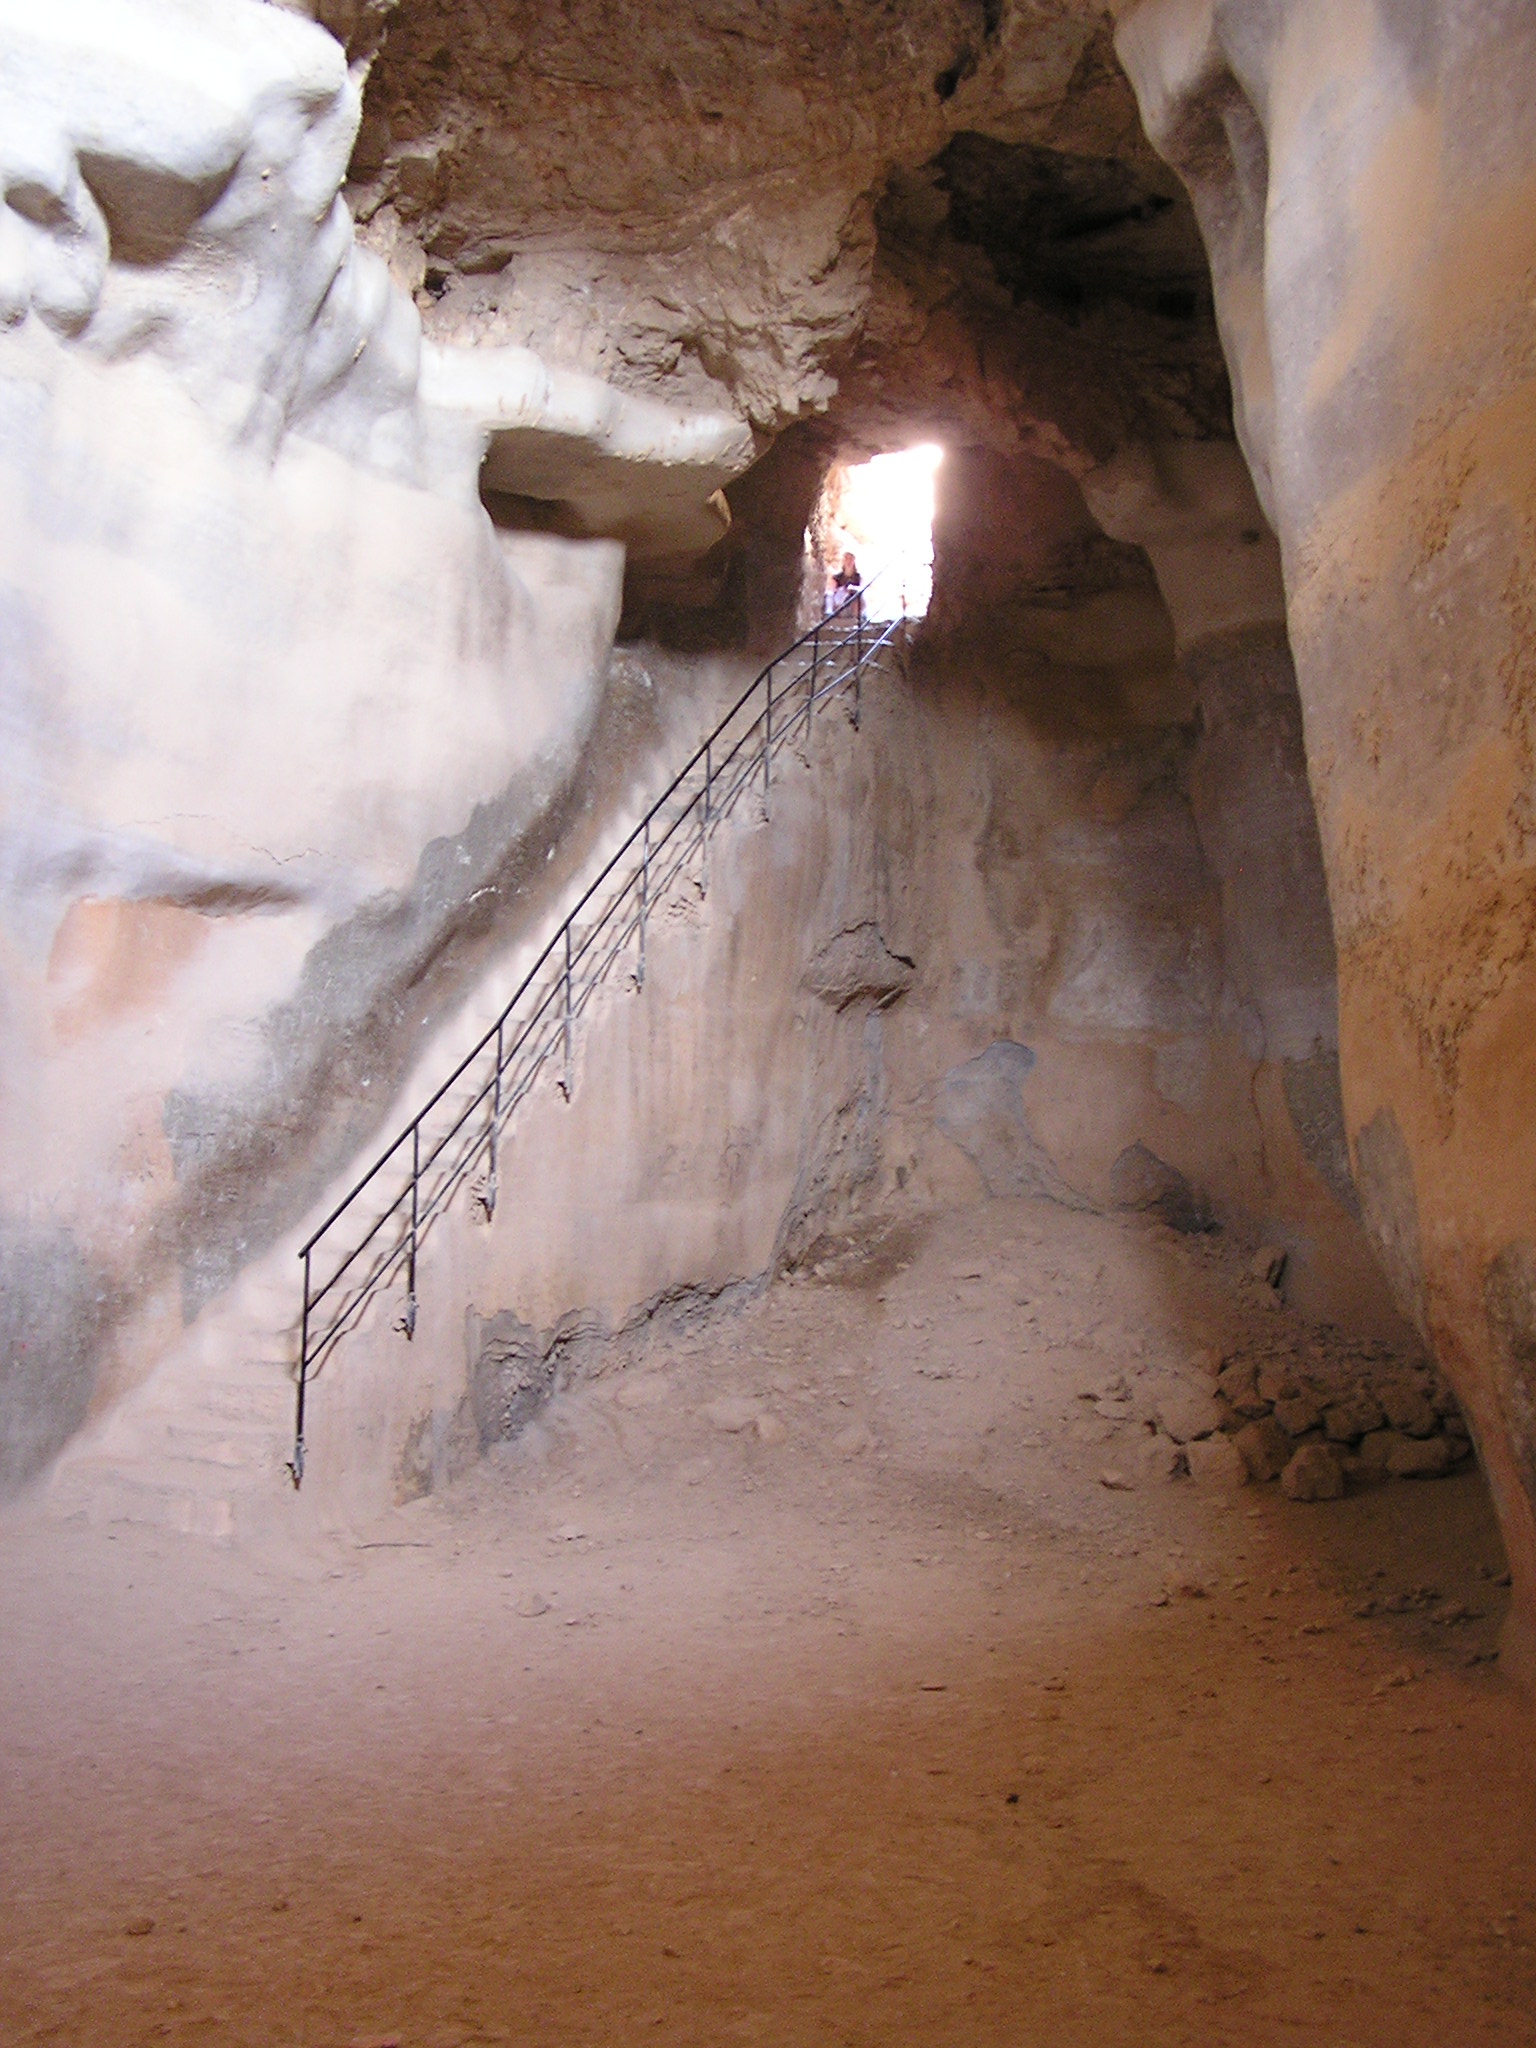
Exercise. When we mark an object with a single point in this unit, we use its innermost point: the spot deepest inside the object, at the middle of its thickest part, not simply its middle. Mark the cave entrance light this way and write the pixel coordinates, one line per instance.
(882, 510)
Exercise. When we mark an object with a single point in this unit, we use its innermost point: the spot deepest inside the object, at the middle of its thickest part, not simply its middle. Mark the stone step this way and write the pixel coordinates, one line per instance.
(234, 1404)
(204, 1446)
(102, 1492)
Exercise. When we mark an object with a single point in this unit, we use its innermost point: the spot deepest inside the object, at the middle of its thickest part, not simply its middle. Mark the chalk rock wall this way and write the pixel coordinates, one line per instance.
(679, 198)
(283, 709)
(1365, 176)
(1002, 940)
(317, 540)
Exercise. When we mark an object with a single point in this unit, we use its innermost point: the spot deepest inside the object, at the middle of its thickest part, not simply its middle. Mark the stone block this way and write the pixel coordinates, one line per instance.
(1186, 1413)
(1239, 1385)
(1298, 1413)
(1408, 1408)
(1411, 1457)
(1162, 1458)
(1216, 1463)
(1315, 1473)
(1264, 1448)
(1355, 1416)
(1277, 1380)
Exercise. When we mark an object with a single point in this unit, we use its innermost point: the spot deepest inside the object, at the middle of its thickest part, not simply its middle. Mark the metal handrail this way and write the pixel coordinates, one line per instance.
(576, 960)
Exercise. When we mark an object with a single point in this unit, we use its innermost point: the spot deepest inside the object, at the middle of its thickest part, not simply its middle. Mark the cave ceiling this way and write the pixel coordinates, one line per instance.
(878, 218)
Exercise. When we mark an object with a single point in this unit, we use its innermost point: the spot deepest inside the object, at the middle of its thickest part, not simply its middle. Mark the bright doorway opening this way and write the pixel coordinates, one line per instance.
(881, 513)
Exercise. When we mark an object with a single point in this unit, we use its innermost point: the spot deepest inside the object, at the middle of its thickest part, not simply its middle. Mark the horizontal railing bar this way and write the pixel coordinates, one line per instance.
(394, 1254)
(365, 1291)
(759, 681)
(605, 940)
(318, 1294)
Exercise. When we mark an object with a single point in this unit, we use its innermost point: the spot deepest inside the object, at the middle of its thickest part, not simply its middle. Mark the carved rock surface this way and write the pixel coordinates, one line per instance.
(1389, 420)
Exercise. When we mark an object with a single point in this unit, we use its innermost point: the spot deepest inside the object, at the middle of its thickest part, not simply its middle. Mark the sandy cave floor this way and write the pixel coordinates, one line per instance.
(883, 1720)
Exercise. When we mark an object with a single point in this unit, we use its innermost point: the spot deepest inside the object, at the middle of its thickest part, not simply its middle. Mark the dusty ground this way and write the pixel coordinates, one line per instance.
(883, 1719)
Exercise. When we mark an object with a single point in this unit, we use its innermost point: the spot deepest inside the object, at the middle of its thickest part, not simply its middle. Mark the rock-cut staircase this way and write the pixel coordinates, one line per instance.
(199, 1446)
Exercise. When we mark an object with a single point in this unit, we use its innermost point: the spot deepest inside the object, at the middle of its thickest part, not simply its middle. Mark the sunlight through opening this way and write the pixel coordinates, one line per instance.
(881, 513)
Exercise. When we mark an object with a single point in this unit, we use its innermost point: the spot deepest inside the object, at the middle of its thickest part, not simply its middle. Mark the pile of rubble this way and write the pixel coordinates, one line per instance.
(1316, 1419)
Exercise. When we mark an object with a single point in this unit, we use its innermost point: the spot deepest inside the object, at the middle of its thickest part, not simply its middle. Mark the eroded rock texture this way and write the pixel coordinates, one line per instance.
(283, 710)
(1365, 177)
(322, 540)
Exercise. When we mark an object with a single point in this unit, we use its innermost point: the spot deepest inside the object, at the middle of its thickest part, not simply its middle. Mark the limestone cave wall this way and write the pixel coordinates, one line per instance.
(367, 377)
(1364, 177)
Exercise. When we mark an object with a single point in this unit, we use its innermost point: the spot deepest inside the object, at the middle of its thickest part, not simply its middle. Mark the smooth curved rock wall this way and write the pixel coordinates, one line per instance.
(285, 715)
(1365, 175)
(293, 724)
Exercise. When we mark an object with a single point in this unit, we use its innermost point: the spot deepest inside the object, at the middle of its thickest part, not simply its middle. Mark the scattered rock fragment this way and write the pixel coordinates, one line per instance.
(1115, 1482)
(1298, 1414)
(1404, 1675)
(853, 1441)
(140, 1926)
(1355, 1416)
(1313, 1474)
(531, 1605)
(770, 1430)
(1139, 1179)
(1181, 1587)
(1413, 1601)
(1187, 1413)
(1264, 1448)
(1267, 1266)
(731, 1414)
(1411, 1457)
(1216, 1462)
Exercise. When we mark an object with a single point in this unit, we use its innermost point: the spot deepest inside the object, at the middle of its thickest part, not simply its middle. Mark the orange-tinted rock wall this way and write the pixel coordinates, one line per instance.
(1365, 175)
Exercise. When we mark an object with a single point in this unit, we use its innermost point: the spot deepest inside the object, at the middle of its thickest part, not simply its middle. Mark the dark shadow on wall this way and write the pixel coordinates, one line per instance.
(1151, 864)
(55, 1308)
(744, 596)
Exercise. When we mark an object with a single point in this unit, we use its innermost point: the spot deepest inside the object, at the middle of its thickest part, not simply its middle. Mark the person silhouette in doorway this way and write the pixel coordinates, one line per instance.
(845, 584)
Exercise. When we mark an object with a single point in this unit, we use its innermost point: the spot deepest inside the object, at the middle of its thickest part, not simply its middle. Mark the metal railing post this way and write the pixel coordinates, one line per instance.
(410, 1257)
(858, 661)
(296, 1469)
(565, 1085)
(490, 1179)
(810, 701)
(705, 827)
(645, 891)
